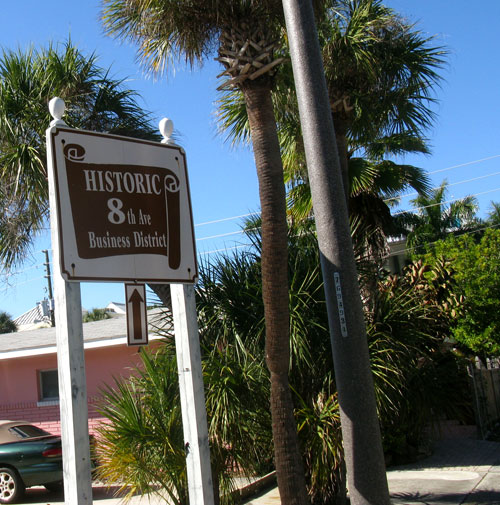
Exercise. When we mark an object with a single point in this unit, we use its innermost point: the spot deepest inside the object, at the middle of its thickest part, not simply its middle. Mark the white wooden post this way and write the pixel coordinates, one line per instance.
(70, 358)
(194, 416)
(72, 392)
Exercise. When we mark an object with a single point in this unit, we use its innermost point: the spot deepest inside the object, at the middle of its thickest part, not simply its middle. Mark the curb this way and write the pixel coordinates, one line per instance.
(256, 486)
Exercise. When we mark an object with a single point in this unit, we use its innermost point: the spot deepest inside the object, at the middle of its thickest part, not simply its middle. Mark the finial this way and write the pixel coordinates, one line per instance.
(166, 127)
(56, 109)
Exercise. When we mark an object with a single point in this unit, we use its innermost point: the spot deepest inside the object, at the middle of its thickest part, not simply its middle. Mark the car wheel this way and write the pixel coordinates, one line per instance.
(55, 487)
(11, 486)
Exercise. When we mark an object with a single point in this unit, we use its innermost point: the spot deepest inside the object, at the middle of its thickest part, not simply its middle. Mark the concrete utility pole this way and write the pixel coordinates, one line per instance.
(366, 474)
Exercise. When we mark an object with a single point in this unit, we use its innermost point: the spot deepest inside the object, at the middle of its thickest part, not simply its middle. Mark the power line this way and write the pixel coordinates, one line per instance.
(19, 272)
(239, 232)
(231, 218)
(465, 164)
(21, 283)
(226, 249)
(396, 253)
(227, 219)
(448, 185)
(233, 248)
(443, 203)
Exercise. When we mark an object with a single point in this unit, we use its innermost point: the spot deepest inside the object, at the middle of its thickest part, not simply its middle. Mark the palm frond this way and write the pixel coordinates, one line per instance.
(94, 100)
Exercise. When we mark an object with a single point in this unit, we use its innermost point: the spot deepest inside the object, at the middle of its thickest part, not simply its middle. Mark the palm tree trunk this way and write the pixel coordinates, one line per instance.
(162, 291)
(289, 467)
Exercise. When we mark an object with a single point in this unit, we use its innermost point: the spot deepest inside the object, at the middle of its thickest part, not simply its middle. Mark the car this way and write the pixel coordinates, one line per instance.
(29, 456)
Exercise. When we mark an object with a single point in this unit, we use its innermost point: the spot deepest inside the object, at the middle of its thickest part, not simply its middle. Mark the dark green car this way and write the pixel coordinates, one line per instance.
(29, 456)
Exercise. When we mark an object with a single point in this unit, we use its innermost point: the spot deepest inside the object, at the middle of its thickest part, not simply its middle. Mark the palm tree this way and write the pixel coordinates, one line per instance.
(141, 448)
(435, 219)
(413, 313)
(96, 314)
(380, 73)
(493, 218)
(245, 37)
(232, 336)
(374, 183)
(404, 338)
(95, 101)
(7, 325)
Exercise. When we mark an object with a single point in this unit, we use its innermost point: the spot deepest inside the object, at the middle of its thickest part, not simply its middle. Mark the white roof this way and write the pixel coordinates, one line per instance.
(119, 308)
(32, 317)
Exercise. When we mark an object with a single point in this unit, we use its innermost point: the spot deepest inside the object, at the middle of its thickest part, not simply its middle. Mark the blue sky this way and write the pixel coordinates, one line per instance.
(464, 139)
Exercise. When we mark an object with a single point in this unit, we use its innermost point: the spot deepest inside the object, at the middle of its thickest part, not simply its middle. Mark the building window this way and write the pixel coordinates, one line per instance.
(49, 385)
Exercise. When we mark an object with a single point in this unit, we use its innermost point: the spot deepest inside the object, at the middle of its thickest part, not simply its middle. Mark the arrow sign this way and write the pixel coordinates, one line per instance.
(137, 328)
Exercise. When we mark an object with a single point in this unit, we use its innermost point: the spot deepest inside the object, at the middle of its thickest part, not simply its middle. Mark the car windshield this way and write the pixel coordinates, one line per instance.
(28, 431)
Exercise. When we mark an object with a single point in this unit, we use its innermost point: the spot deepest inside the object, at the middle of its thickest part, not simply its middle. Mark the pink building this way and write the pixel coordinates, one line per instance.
(28, 369)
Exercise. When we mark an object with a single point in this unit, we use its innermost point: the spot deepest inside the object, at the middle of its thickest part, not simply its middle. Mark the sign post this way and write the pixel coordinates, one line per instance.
(120, 211)
(194, 417)
(70, 363)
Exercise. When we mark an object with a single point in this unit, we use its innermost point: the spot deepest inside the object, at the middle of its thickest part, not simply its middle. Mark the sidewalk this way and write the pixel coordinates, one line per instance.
(459, 472)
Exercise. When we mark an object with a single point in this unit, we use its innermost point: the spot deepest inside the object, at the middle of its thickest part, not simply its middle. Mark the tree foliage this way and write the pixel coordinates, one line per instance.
(94, 101)
(417, 379)
(381, 74)
(7, 325)
(237, 382)
(493, 218)
(477, 275)
(232, 315)
(95, 314)
(411, 323)
(142, 448)
(435, 218)
(245, 37)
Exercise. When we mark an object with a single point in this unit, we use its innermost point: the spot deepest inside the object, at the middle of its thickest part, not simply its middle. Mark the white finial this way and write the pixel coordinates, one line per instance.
(56, 109)
(166, 127)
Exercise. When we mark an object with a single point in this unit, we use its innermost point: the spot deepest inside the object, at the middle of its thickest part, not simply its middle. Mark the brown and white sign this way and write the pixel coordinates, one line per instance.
(137, 323)
(123, 207)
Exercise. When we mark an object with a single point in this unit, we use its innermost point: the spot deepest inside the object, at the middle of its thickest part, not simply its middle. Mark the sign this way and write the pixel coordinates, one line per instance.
(124, 208)
(137, 324)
